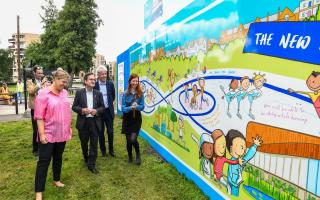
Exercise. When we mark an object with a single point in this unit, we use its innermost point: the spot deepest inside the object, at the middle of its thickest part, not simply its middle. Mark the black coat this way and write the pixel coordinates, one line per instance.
(80, 101)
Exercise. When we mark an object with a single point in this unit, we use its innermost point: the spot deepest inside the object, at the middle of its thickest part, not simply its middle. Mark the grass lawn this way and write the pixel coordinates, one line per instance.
(154, 179)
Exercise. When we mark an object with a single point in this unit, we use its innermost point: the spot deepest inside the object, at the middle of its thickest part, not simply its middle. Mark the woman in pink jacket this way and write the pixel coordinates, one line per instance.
(53, 115)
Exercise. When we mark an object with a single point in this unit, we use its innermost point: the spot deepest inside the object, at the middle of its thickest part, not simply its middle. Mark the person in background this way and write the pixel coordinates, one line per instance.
(53, 116)
(4, 94)
(88, 103)
(19, 90)
(33, 86)
(132, 105)
(106, 87)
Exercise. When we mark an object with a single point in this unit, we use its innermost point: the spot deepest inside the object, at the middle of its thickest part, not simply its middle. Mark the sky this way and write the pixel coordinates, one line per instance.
(123, 21)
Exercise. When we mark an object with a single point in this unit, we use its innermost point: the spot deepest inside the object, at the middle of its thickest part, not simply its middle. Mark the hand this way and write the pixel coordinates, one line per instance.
(43, 138)
(134, 105)
(257, 141)
(44, 81)
(93, 112)
(241, 161)
(85, 111)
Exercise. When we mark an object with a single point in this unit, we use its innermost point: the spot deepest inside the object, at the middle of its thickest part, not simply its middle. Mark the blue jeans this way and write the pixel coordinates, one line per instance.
(19, 97)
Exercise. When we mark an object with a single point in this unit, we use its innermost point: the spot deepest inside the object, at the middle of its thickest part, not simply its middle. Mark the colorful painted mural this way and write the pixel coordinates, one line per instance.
(232, 92)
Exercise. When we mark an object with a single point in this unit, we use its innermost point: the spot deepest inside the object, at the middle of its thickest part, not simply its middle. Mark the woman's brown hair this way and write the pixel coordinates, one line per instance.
(138, 89)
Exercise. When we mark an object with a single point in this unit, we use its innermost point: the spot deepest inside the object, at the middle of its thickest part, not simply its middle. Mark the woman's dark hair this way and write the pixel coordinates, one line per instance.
(87, 75)
(232, 134)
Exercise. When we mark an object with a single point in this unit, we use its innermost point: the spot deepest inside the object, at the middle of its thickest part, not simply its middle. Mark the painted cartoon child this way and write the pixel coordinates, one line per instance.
(202, 83)
(219, 155)
(242, 92)
(231, 94)
(181, 128)
(186, 93)
(193, 102)
(236, 144)
(206, 155)
(258, 81)
(313, 83)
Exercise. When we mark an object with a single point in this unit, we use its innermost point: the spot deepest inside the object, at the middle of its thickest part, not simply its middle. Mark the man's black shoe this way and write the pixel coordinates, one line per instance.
(111, 153)
(138, 160)
(103, 154)
(93, 170)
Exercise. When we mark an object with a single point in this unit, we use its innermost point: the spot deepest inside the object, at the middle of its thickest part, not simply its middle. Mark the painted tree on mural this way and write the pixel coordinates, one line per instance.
(174, 119)
(169, 110)
(158, 115)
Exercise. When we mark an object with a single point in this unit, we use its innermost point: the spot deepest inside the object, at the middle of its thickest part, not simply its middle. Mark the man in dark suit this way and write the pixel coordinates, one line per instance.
(88, 103)
(106, 87)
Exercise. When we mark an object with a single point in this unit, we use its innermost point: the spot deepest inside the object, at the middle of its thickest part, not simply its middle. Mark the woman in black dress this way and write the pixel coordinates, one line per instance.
(132, 105)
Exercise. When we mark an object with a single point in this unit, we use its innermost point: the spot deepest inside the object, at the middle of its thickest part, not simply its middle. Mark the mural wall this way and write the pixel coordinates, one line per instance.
(232, 92)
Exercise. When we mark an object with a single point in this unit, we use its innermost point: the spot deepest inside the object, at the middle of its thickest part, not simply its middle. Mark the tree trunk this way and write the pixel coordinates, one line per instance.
(70, 80)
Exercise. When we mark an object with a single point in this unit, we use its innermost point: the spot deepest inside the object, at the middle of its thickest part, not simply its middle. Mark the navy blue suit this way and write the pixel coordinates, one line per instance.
(108, 116)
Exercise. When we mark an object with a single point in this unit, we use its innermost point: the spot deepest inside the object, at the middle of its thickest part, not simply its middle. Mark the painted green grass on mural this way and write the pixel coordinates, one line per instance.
(229, 57)
(154, 179)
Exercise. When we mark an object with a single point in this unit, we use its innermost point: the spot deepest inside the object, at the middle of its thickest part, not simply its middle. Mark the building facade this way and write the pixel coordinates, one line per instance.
(25, 40)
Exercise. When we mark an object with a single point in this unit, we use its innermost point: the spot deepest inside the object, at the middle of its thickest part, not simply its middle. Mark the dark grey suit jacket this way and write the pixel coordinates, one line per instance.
(80, 101)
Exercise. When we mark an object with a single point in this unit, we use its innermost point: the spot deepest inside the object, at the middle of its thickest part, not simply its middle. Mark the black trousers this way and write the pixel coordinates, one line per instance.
(107, 122)
(46, 151)
(89, 133)
(35, 132)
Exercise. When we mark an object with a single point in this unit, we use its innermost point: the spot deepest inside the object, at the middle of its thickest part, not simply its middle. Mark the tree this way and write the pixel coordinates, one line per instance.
(50, 15)
(76, 28)
(34, 53)
(70, 36)
(318, 13)
(6, 61)
(43, 53)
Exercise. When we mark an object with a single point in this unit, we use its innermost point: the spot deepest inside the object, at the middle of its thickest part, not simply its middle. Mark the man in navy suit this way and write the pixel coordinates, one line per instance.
(106, 87)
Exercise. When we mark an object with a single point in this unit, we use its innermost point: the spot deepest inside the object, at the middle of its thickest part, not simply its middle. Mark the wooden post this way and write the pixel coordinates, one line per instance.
(18, 47)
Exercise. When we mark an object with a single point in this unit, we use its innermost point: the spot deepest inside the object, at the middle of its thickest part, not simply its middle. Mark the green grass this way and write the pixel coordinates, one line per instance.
(154, 179)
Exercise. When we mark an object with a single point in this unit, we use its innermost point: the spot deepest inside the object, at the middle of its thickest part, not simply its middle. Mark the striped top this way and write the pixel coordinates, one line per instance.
(55, 111)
